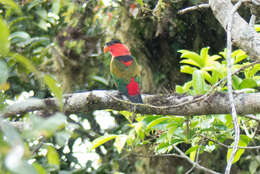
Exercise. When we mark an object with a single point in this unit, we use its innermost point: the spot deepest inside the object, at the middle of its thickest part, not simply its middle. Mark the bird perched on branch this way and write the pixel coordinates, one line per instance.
(125, 70)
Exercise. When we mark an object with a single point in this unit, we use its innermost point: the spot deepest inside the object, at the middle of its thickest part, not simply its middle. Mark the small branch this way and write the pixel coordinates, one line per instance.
(217, 142)
(158, 155)
(230, 90)
(196, 7)
(196, 160)
(252, 117)
(229, 147)
(256, 2)
(194, 163)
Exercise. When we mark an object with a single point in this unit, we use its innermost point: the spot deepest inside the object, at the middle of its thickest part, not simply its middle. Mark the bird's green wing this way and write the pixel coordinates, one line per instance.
(120, 84)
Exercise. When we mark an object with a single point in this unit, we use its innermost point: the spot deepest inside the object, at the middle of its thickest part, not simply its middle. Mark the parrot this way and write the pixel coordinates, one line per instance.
(124, 70)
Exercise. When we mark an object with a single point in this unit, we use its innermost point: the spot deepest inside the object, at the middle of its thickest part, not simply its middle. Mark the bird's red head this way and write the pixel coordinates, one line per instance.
(116, 48)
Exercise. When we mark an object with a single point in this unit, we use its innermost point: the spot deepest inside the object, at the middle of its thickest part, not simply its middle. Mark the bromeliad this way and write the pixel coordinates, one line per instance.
(124, 70)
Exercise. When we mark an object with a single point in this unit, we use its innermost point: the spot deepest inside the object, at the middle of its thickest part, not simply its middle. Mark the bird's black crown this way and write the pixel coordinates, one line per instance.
(112, 42)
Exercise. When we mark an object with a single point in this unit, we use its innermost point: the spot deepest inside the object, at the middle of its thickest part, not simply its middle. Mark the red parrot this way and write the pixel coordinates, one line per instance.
(124, 70)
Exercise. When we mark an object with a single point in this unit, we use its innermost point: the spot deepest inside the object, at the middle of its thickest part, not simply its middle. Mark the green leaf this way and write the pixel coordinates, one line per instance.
(128, 115)
(229, 122)
(24, 61)
(4, 34)
(39, 168)
(254, 70)
(3, 72)
(44, 126)
(204, 56)
(11, 134)
(176, 120)
(140, 2)
(56, 5)
(208, 77)
(257, 28)
(43, 24)
(42, 13)
(21, 167)
(253, 166)
(243, 141)
(19, 37)
(101, 140)
(239, 55)
(215, 76)
(100, 79)
(62, 137)
(19, 19)
(53, 157)
(170, 131)
(198, 82)
(236, 81)
(248, 83)
(190, 62)
(148, 119)
(120, 142)
(187, 86)
(156, 122)
(214, 57)
(179, 89)
(192, 149)
(139, 129)
(187, 69)
(131, 138)
(10, 3)
(55, 89)
(224, 53)
(193, 56)
(193, 155)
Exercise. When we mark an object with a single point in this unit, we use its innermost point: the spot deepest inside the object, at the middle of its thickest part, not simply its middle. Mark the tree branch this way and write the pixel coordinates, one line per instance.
(90, 101)
(243, 35)
(196, 7)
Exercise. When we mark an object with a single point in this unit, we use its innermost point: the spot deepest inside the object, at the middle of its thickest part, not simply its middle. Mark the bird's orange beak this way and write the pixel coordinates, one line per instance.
(106, 49)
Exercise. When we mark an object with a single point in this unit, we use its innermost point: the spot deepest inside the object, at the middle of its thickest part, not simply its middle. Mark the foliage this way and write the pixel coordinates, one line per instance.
(36, 56)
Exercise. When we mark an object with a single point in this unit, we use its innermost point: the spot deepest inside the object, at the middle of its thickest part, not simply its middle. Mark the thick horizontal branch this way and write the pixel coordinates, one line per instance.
(173, 104)
(243, 35)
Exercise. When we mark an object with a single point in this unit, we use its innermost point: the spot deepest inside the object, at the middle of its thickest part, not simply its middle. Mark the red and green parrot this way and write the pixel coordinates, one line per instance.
(124, 70)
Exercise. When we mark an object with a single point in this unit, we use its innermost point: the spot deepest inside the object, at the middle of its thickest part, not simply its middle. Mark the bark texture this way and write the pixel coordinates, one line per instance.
(243, 35)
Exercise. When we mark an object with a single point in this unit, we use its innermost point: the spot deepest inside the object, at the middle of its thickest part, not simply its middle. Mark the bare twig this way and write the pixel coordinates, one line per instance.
(157, 155)
(196, 7)
(252, 117)
(230, 91)
(217, 142)
(229, 147)
(194, 163)
(196, 160)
